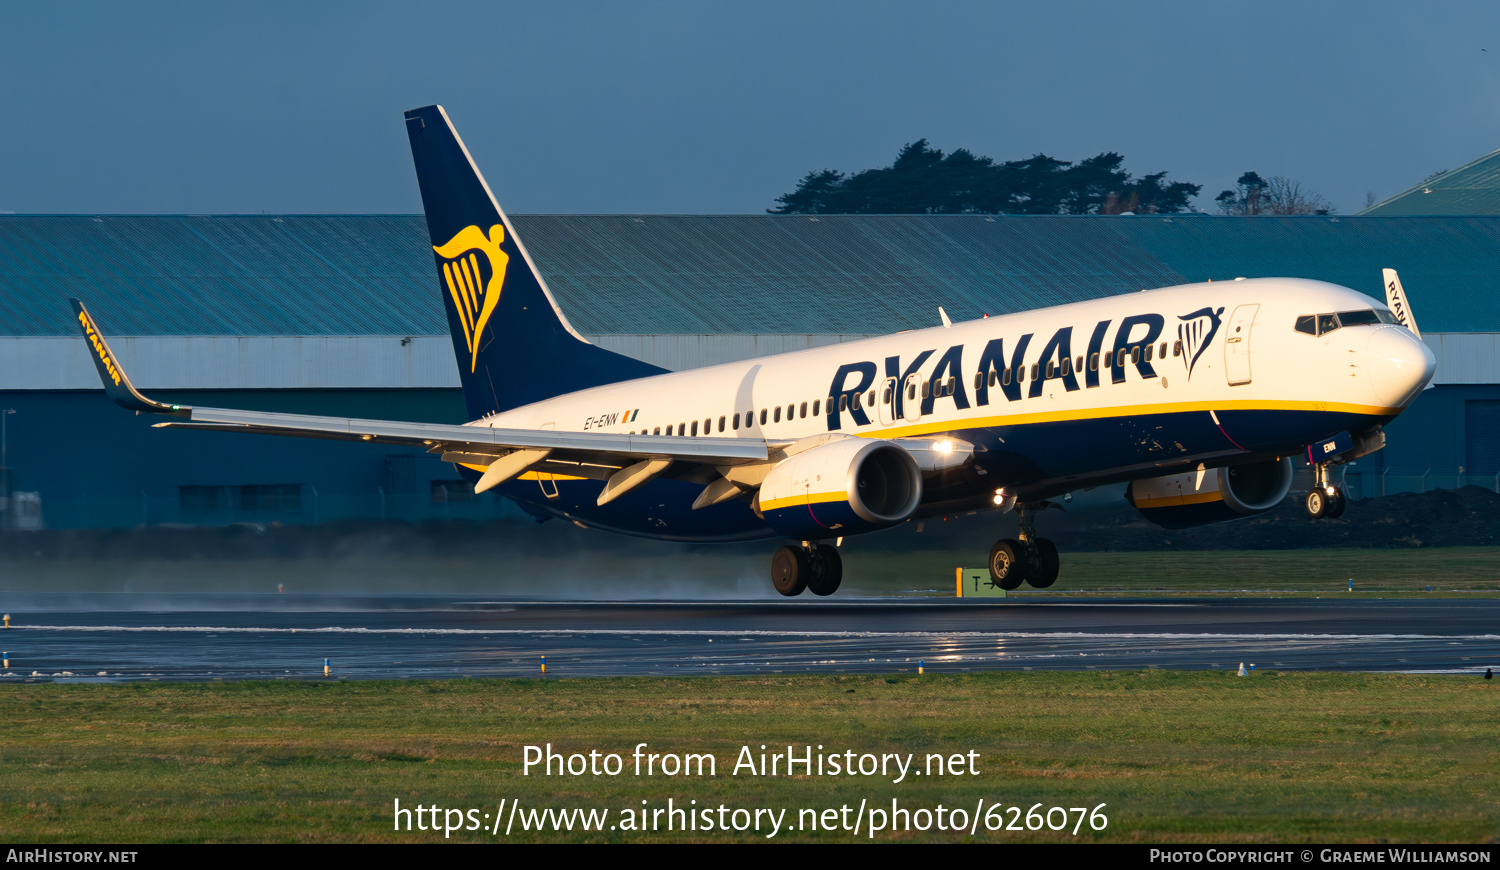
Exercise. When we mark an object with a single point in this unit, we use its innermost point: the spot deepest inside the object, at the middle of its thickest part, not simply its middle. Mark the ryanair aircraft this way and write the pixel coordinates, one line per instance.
(1197, 396)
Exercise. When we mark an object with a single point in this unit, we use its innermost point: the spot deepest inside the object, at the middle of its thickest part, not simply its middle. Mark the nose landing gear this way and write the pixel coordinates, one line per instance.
(811, 566)
(1324, 499)
(1028, 559)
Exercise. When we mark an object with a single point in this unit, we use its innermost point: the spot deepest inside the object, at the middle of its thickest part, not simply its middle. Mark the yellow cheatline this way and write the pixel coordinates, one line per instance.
(1175, 500)
(530, 475)
(1129, 411)
(797, 500)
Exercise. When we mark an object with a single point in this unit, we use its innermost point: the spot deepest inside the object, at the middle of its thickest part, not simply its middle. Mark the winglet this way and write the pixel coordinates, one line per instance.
(1396, 299)
(116, 385)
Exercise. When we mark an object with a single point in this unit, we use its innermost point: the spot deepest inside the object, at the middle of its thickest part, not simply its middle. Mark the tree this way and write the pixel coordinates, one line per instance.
(1278, 196)
(923, 180)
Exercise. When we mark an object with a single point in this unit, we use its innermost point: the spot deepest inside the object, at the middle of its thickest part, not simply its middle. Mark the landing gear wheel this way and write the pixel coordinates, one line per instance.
(1335, 507)
(1047, 564)
(1008, 563)
(827, 571)
(789, 570)
(1316, 503)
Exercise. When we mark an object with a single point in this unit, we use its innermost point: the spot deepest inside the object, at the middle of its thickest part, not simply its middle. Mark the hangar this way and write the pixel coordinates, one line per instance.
(338, 314)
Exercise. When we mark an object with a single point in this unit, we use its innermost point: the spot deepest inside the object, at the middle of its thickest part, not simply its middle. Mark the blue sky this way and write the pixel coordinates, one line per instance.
(712, 107)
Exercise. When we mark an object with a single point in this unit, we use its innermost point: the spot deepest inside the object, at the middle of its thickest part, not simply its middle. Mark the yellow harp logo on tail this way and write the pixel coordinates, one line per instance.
(474, 292)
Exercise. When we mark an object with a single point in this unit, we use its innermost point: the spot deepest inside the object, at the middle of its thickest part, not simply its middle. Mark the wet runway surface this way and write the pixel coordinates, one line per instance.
(200, 637)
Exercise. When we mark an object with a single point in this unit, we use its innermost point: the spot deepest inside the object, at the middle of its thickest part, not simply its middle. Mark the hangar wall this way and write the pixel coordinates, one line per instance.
(337, 315)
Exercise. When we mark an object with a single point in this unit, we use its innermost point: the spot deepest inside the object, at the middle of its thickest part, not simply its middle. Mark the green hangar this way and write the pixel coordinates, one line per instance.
(340, 315)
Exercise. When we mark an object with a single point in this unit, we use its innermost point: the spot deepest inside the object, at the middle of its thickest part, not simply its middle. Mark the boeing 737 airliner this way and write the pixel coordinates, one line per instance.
(1195, 395)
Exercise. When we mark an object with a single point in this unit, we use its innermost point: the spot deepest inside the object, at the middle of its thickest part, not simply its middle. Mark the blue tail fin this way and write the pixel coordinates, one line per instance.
(513, 347)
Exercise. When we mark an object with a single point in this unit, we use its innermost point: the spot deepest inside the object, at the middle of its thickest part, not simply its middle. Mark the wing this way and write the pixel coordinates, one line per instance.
(626, 461)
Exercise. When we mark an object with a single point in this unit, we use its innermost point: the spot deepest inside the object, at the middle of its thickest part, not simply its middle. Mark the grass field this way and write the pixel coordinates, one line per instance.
(1175, 757)
(1455, 571)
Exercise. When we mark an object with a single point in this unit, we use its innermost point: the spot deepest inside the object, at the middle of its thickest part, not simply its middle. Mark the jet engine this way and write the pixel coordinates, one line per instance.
(839, 488)
(1180, 501)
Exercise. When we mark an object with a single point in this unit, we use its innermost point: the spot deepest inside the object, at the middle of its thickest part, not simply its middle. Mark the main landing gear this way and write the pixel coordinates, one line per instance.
(1324, 499)
(1027, 560)
(810, 565)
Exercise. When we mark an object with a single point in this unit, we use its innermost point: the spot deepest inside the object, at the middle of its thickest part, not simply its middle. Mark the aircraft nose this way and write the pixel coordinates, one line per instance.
(1400, 365)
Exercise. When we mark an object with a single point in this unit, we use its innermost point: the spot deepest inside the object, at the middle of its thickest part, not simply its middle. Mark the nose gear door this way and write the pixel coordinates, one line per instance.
(1237, 345)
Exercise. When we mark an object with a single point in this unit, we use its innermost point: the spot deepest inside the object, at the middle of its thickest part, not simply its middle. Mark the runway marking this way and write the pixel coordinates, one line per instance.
(658, 632)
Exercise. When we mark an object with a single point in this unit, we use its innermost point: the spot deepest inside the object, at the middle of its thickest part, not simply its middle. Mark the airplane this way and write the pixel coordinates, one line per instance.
(1196, 396)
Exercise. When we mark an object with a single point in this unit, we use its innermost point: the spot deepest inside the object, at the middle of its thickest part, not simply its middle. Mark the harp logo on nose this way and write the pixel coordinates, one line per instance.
(474, 270)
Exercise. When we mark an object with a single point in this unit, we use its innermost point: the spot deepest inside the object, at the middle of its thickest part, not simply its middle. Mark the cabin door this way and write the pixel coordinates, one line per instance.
(1237, 345)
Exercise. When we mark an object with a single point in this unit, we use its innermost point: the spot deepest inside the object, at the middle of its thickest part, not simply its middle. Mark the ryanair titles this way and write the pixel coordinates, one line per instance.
(1138, 342)
(101, 353)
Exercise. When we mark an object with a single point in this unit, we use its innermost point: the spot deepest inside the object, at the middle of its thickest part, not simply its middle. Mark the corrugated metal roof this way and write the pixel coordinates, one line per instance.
(654, 274)
(1471, 189)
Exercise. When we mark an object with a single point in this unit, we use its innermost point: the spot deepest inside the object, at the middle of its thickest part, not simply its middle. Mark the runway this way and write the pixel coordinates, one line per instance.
(126, 637)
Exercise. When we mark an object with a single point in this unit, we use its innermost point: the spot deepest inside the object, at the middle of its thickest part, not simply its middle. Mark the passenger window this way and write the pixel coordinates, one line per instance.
(978, 380)
(762, 416)
(1307, 324)
(1109, 358)
(657, 432)
(844, 402)
(1093, 362)
(802, 412)
(816, 402)
(791, 412)
(695, 428)
(721, 424)
(952, 384)
(736, 421)
(911, 390)
(776, 417)
(1177, 348)
(1079, 364)
(872, 398)
(1034, 368)
(1327, 323)
(1005, 377)
(1067, 368)
(1051, 369)
(1020, 373)
(994, 375)
(1149, 349)
(1163, 352)
(708, 425)
(926, 388)
(1135, 355)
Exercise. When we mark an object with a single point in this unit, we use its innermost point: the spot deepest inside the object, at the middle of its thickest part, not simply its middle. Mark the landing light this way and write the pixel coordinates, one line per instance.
(943, 446)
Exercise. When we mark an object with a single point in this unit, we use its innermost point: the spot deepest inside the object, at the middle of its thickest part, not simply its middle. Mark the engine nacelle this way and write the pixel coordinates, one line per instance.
(1180, 501)
(842, 487)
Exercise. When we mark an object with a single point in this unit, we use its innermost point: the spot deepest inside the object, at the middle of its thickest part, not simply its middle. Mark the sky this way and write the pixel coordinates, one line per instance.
(717, 108)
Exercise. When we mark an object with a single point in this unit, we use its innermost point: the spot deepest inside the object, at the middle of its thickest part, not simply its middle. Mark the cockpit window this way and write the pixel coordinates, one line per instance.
(1322, 324)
